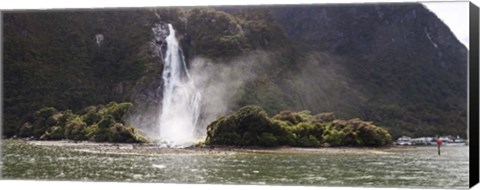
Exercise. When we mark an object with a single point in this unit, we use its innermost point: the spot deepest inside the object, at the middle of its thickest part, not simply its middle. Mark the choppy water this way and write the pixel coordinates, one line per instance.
(397, 167)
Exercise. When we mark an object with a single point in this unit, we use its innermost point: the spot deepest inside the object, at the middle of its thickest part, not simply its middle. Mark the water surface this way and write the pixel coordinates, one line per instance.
(397, 167)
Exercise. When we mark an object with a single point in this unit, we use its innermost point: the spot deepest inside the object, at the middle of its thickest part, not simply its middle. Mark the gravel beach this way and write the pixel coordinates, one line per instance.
(154, 149)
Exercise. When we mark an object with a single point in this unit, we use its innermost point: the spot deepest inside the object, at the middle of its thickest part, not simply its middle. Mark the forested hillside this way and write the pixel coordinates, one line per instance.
(397, 65)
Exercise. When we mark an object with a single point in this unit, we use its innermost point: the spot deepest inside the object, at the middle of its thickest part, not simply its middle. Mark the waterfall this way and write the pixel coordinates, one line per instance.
(180, 108)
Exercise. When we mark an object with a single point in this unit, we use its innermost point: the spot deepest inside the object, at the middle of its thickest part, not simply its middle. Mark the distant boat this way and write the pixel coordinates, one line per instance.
(404, 140)
(453, 141)
(424, 141)
(429, 141)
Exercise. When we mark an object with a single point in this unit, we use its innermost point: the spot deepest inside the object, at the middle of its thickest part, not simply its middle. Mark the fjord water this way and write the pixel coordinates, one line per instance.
(391, 167)
(181, 102)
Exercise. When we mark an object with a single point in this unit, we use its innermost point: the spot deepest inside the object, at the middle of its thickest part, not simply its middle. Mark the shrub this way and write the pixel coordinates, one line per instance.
(26, 130)
(89, 109)
(120, 133)
(248, 138)
(228, 138)
(250, 126)
(107, 122)
(223, 125)
(284, 133)
(75, 129)
(91, 117)
(267, 139)
(374, 136)
(118, 110)
(45, 112)
(96, 123)
(54, 133)
(308, 141)
(43, 119)
(66, 116)
(97, 134)
(223, 131)
(241, 128)
(217, 34)
(253, 119)
(324, 117)
(212, 130)
(334, 137)
(351, 136)
(292, 117)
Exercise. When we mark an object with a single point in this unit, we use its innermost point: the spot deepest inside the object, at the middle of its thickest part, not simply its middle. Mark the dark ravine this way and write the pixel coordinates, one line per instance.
(397, 65)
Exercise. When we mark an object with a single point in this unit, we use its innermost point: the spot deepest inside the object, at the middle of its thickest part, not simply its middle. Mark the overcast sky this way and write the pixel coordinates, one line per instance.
(455, 15)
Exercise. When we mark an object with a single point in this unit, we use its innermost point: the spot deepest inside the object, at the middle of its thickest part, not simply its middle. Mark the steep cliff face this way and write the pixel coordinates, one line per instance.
(409, 67)
(395, 64)
(71, 59)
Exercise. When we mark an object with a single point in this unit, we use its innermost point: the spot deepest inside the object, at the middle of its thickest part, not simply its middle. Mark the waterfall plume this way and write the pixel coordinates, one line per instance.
(180, 107)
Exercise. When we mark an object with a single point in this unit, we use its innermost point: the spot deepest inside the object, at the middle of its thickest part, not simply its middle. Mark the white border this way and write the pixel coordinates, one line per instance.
(58, 4)
(49, 185)
(7, 5)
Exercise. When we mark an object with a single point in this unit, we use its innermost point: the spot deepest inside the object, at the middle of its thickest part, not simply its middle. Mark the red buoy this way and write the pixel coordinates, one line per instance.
(439, 141)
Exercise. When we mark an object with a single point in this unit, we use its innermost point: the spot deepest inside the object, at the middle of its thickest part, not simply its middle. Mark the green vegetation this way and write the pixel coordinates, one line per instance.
(347, 62)
(51, 58)
(94, 123)
(251, 126)
(207, 26)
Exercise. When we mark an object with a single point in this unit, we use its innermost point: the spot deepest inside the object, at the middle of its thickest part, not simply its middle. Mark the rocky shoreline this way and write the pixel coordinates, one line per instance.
(157, 149)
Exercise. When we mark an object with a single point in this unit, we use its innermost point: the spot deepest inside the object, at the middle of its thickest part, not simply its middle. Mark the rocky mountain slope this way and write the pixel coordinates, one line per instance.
(395, 64)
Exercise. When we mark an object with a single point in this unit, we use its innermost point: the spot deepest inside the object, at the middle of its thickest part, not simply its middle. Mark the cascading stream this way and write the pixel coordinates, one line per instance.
(181, 101)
